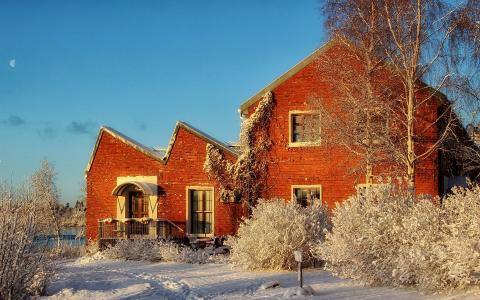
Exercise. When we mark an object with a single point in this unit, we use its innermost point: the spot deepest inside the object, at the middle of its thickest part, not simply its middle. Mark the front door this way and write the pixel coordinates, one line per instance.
(137, 205)
(201, 212)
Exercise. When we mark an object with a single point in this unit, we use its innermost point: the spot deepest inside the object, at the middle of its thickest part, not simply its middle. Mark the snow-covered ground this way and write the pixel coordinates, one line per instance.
(111, 279)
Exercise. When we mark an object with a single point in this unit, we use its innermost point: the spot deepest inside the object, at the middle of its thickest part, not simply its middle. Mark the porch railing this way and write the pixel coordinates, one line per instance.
(136, 229)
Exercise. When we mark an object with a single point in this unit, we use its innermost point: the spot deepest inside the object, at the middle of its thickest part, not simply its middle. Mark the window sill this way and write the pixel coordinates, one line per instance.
(303, 144)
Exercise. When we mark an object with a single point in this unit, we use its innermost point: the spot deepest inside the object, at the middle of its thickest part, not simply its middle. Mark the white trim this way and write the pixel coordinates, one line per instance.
(151, 152)
(187, 215)
(290, 129)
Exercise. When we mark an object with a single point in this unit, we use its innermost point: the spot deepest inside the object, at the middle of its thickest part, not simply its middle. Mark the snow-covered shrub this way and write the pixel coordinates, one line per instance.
(91, 247)
(365, 237)
(24, 269)
(66, 250)
(275, 229)
(387, 239)
(152, 250)
(141, 249)
(443, 243)
(168, 251)
(193, 256)
(458, 253)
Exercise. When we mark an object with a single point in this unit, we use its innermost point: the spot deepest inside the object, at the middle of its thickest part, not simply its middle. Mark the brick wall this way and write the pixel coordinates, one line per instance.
(326, 165)
(329, 166)
(184, 168)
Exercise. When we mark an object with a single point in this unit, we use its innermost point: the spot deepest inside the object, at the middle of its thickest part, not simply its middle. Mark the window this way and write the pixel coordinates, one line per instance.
(304, 128)
(307, 195)
(137, 205)
(201, 211)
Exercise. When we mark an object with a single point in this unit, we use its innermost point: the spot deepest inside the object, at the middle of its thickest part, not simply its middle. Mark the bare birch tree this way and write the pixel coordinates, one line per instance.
(412, 39)
(359, 85)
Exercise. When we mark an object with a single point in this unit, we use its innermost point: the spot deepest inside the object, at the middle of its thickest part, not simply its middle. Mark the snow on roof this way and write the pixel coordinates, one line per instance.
(161, 155)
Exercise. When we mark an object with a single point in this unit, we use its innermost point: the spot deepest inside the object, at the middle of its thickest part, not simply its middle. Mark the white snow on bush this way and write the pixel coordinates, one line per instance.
(386, 239)
(152, 250)
(275, 229)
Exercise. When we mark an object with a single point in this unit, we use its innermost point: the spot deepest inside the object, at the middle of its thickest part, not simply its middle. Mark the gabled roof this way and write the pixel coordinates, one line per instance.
(202, 135)
(245, 105)
(159, 155)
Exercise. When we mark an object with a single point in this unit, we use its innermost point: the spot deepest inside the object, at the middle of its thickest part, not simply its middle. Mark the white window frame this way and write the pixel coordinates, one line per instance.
(188, 216)
(291, 143)
(309, 186)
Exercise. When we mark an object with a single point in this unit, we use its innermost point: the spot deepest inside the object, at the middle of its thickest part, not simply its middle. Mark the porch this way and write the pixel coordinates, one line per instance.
(143, 228)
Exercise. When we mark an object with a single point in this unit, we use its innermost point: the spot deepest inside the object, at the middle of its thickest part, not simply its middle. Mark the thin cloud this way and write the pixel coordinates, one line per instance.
(47, 132)
(81, 127)
(13, 120)
(141, 125)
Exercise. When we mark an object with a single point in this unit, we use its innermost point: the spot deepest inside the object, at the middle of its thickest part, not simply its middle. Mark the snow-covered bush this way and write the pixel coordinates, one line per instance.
(193, 256)
(168, 251)
(24, 269)
(275, 229)
(152, 250)
(365, 239)
(142, 249)
(387, 239)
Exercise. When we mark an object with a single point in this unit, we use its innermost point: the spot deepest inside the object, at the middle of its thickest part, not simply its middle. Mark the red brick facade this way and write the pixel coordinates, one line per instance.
(182, 168)
(326, 166)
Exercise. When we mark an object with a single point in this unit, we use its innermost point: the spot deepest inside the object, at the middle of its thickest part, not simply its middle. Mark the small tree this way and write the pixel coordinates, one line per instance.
(23, 267)
(412, 39)
(46, 194)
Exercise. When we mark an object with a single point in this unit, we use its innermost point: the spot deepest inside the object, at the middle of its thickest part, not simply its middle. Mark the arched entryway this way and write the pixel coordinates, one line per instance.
(135, 200)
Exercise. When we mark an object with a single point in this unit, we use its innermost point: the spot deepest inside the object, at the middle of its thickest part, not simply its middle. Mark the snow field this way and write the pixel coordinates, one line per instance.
(119, 279)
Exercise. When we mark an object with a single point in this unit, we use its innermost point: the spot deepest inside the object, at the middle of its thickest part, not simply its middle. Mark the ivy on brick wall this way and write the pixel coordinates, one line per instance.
(244, 179)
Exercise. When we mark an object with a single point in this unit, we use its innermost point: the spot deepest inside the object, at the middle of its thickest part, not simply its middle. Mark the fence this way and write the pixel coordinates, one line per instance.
(133, 229)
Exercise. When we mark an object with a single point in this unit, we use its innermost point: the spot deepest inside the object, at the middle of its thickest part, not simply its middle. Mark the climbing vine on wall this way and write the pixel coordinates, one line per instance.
(244, 179)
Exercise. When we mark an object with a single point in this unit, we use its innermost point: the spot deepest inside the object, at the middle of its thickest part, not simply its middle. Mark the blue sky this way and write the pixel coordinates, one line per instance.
(68, 67)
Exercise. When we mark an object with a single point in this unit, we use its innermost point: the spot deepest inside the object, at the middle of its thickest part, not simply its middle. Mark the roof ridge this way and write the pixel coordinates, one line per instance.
(207, 136)
(149, 151)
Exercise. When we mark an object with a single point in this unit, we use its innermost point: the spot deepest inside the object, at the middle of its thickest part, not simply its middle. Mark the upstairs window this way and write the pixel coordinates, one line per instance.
(307, 195)
(304, 128)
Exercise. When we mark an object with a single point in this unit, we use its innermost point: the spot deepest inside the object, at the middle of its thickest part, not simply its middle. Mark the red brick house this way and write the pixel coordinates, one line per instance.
(134, 190)
(302, 167)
